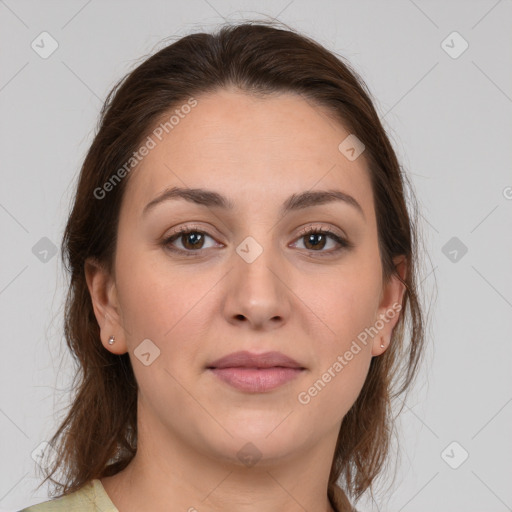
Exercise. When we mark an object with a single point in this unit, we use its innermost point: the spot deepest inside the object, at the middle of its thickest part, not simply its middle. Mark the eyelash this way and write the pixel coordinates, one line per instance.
(344, 243)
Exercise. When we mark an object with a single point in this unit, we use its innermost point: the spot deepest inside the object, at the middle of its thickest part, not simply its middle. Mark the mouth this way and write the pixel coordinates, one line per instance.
(256, 373)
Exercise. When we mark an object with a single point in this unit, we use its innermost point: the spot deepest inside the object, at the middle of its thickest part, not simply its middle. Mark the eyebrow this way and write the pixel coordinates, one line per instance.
(210, 198)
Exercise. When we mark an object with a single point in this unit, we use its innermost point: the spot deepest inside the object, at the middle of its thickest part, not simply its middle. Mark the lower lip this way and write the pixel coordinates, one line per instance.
(256, 380)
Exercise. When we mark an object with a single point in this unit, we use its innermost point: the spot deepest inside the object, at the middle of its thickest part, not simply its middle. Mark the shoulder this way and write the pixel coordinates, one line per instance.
(89, 498)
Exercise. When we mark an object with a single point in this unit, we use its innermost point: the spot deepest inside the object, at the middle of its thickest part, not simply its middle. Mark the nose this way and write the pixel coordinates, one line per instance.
(256, 293)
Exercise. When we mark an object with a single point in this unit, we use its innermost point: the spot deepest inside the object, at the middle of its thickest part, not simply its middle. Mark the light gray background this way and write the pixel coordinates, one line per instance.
(450, 121)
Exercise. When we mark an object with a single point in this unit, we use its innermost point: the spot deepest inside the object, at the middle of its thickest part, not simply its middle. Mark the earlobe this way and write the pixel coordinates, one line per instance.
(103, 295)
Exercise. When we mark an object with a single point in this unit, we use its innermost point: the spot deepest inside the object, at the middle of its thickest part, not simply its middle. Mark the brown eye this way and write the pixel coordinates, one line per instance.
(315, 240)
(191, 240)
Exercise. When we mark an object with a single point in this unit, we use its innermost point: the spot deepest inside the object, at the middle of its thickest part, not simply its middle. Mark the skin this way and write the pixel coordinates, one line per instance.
(191, 425)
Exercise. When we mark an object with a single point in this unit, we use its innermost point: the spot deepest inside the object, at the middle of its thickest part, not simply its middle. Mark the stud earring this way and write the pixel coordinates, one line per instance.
(111, 340)
(381, 344)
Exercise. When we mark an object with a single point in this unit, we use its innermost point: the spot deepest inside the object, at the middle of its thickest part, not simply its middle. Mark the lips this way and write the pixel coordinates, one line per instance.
(246, 359)
(255, 373)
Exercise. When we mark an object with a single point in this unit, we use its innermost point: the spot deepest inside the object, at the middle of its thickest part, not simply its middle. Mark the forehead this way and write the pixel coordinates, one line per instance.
(246, 147)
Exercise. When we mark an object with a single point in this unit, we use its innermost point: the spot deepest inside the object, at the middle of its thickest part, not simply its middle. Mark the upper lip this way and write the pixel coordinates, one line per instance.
(251, 360)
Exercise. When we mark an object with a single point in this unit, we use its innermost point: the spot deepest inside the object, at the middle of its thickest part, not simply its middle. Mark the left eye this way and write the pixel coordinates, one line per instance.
(317, 239)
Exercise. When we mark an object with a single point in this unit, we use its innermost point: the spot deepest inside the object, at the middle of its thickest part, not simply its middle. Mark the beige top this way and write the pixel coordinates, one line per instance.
(92, 497)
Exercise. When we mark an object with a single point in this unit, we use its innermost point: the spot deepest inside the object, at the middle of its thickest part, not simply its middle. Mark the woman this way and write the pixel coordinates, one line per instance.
(243, 264)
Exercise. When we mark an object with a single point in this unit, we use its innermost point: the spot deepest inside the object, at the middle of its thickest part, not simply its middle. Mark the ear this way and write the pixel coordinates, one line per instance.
(390, 306)
(103, 293)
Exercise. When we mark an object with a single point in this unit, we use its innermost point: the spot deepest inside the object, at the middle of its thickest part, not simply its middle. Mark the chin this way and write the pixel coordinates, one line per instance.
(265, 445)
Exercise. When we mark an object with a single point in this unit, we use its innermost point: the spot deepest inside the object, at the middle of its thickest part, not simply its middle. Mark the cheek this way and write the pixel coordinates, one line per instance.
(346, 306)
(346, 303)
(165, 307)
(163, 302)
(151, 302)
(332, 392)
(343, 356)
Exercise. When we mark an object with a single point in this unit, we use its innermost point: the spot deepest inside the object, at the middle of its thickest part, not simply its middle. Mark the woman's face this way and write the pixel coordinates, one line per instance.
(249, 277)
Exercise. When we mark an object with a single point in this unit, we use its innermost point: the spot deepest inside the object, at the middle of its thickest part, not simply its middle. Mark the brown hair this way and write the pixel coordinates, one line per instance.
(98, 437)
